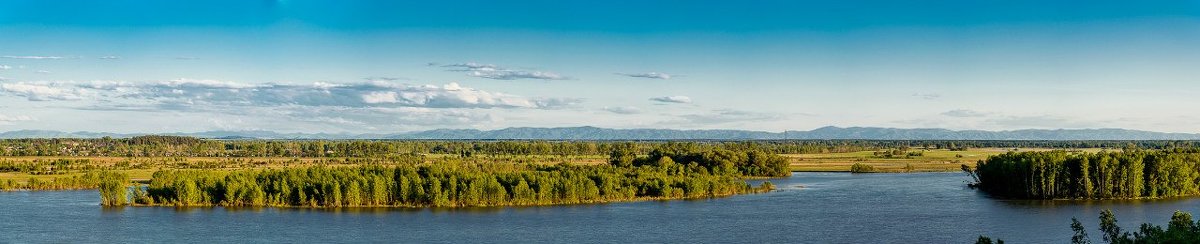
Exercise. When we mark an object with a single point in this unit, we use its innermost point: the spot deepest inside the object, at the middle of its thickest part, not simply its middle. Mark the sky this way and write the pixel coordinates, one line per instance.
(398, 66)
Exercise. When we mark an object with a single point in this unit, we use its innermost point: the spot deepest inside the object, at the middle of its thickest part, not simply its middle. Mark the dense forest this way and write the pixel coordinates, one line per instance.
(176, 146)
(1181, 229)
(1103, 175)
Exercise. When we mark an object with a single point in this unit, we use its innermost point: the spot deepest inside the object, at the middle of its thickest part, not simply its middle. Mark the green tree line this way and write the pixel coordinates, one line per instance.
(39, 166)
(437, 185)
(1102, 175)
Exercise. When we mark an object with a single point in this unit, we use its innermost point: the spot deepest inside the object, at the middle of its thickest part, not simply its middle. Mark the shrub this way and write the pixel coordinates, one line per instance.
(862, 168)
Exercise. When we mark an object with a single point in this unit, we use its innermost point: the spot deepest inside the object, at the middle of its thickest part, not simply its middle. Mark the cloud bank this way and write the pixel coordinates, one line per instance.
(192, 92)
(373, 105)
(43, 92)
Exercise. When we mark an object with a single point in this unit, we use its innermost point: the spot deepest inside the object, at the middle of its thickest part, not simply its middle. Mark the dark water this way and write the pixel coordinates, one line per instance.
(831, 208)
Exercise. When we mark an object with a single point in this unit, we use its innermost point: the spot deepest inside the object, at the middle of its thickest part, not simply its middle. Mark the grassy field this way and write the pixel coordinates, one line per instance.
(930, 160)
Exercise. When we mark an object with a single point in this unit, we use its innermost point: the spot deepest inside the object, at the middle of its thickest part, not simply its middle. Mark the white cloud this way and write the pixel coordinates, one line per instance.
(491, 71)
(324, 106)
(42, 92)
(516, 74)
(32, 57)
(110, 57)
(964, 113)
(5, 67)
(557, 102)
(193, 83)
(472, 66)
(384, 78)
(649, 75)
(42, 72)
(672, 99)
(623, 110)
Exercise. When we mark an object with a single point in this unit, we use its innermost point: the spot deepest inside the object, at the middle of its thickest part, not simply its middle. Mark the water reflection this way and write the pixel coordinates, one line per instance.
(112, 209)
(1086, 203)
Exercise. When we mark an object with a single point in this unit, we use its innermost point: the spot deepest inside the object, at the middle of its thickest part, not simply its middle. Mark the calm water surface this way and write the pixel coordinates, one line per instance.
(829, 208)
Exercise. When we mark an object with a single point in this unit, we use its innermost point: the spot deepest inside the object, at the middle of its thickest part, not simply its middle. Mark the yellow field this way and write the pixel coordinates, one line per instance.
(932, 160)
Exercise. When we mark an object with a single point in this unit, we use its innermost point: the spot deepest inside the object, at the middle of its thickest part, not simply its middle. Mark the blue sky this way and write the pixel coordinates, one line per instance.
(389, 66)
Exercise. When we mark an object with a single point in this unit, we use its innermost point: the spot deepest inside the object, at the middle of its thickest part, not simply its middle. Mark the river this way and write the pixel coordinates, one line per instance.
(807, 208)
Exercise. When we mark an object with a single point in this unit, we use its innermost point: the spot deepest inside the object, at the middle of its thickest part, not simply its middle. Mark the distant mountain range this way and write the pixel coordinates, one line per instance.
(595, 133)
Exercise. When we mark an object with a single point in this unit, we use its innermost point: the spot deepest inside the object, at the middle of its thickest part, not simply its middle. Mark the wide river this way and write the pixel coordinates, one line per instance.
(807, 208)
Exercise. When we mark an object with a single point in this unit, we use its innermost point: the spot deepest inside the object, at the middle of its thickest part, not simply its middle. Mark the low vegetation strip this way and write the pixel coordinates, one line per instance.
(89, 180)
(1080, 175)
